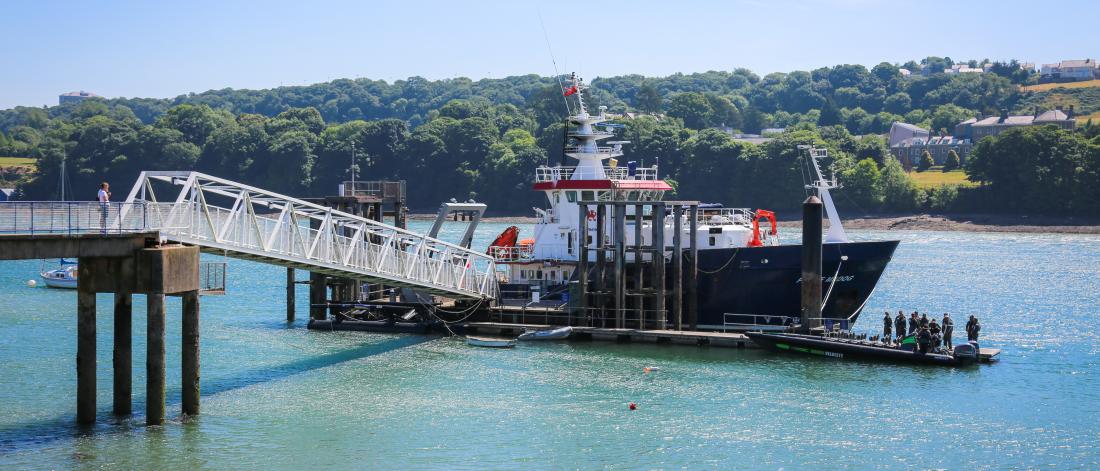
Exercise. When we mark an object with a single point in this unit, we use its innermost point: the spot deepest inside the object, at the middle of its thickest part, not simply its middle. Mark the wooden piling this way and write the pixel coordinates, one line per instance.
(122, 356)
(620, 266)
(318, 296)
(658, 245)
(190, 353)
(639, 266)
(290, 294)
(811, 263)
(85, 356)
(678, 266)
(693, 268)
(154, 360)
(601, 262)
(582, 263)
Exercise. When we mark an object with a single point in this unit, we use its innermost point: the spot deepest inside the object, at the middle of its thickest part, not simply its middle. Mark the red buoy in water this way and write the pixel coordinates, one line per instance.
(633, 406)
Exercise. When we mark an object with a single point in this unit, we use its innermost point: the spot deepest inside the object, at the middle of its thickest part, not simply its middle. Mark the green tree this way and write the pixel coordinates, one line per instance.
(899, 191)
(693, 108)
(926, 162)
(863, 183)
(649, 99)
(830, 115)
(952, 162)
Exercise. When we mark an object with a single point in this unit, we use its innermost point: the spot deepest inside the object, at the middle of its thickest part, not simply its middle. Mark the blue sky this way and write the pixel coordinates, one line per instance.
(163, 49)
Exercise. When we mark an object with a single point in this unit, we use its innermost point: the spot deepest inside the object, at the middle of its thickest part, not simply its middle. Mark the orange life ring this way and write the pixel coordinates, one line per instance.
(591, 215)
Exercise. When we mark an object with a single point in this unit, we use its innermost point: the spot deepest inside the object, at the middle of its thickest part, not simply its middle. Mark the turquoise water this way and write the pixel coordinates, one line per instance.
(277, 396)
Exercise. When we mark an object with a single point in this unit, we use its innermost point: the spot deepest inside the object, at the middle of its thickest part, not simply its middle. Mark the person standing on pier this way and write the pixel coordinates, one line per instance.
(948, 329)
(104, 197)
(899, 325)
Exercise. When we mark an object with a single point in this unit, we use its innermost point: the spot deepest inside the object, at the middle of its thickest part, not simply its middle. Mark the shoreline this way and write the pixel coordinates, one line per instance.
(912, 222)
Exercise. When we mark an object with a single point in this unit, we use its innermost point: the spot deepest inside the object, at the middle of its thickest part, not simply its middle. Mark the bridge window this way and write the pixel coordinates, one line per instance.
(557, 197)
(571, 196)
(587, 196)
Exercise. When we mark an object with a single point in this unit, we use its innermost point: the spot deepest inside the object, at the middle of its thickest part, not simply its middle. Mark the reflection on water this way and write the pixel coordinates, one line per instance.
(279, 396)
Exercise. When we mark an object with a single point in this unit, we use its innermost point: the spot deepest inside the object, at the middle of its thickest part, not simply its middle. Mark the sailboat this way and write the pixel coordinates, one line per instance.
(64, 276)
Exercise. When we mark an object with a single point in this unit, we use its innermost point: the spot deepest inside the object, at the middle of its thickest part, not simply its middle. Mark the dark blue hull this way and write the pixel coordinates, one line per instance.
(762, 285)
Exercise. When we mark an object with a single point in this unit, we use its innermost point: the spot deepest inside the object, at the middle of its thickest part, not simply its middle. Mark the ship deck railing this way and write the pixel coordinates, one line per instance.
(548, 174)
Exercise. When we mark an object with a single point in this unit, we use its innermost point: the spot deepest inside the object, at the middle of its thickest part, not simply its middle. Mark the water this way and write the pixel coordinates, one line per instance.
(280, 397)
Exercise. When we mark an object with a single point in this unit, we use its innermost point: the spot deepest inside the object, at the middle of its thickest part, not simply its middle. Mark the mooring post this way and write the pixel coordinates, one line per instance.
(154, 360)
(811, 264)
(290, 292)
(658, 241)
(693, 268)
(123, 354)
(582, 262)
(620, 266)
(678, 266)
(190, 354)
(85, 355)
(639, 268)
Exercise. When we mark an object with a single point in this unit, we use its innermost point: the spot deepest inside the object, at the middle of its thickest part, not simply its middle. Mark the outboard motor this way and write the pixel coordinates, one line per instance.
(966, 353)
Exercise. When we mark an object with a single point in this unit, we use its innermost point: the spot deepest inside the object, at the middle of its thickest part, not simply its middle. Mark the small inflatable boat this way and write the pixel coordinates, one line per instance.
(490, 342)
(560, 333)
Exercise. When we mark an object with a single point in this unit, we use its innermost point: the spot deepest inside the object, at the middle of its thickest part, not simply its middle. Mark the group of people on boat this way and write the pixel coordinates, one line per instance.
(929, 335)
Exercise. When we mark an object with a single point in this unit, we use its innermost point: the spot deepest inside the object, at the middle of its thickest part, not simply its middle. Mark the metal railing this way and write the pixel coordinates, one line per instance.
(512, 254)
(82, 217)
(546, 174)
(374, 188)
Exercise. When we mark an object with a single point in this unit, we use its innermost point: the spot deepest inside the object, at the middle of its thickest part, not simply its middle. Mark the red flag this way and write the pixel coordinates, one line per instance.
(570, 90)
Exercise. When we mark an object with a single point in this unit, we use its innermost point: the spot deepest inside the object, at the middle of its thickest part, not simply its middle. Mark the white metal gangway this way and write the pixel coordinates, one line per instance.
(274, 228)
(241, 221)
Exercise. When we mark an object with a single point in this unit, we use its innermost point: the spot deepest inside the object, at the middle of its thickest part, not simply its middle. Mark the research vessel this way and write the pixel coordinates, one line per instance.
(747, 278)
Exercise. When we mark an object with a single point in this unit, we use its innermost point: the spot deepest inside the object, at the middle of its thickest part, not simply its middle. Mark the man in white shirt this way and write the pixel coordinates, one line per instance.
(104, 197)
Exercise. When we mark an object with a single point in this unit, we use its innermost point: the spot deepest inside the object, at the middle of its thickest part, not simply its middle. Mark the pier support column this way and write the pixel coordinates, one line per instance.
(290, 292)
(85, 356)
(318, 295)
(154, 360)
(639, 268)
(123, 354)
(601, 262)
(693, 269)
(582, 265)
(811, 264)
(620, 266)
(190, 353)
(658, 245)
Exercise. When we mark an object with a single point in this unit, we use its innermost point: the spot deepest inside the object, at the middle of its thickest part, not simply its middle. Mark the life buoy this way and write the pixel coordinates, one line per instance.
(591, 215)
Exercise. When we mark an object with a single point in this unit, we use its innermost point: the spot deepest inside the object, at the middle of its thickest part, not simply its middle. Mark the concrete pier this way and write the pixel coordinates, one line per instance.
(291, 286)
(122, 358)
(85, 355)
(190, 353)
(154, 359)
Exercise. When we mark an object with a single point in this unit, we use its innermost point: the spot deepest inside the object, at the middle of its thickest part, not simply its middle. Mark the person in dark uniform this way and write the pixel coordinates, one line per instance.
(924, 340)
(887, 328)
(899, 325)
(914, 323)
(924, 320)
(937, 340)
(948, 329)
(972, 329)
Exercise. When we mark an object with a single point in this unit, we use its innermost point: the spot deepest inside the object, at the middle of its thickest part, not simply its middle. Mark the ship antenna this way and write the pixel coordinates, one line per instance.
(553, 61)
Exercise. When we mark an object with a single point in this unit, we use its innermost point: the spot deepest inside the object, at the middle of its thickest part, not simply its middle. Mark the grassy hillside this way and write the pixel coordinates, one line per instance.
(1085, 100)
(17, 162)
(1051, 86)
(935, 177)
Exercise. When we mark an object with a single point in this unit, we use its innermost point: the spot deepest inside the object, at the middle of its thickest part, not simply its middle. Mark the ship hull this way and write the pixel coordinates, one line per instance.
(761, 286)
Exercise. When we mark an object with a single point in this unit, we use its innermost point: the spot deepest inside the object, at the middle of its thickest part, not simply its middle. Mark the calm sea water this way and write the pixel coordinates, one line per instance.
(277, 396)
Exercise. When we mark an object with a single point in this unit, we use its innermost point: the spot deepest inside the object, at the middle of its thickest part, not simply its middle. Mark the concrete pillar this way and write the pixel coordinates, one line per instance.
(154, 360)
(85, 357)
(318, 294)
(190, 353)
(123, 354)
(290, 292)
(639, 268)
(811, 263)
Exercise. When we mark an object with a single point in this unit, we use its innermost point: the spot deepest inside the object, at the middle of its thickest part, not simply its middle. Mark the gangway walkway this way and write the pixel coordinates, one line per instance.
(241, 221)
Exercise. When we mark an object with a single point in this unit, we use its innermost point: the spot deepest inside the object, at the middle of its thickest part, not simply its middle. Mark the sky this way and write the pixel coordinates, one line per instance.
(165, 49)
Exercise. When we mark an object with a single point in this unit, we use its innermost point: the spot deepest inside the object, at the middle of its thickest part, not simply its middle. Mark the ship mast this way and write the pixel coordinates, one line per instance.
(822, 185)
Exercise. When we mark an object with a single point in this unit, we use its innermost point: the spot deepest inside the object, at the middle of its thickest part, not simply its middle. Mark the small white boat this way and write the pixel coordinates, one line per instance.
(490, 342)
(560, 333)
(63, 277)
